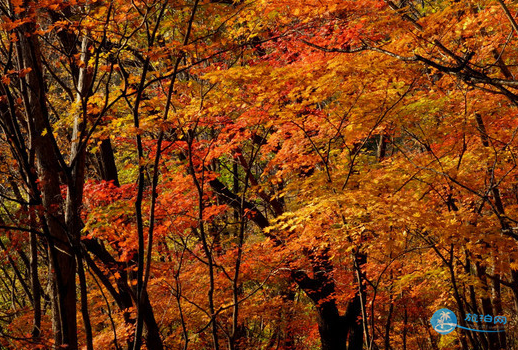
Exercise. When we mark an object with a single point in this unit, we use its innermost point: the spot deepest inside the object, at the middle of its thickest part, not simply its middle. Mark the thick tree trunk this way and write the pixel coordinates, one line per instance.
(61, 258)
(331, 327)
(151, 330)
(335, 330)
(107, 162)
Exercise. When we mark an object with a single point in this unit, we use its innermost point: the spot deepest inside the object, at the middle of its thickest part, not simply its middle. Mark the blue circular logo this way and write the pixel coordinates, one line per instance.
(444, 321)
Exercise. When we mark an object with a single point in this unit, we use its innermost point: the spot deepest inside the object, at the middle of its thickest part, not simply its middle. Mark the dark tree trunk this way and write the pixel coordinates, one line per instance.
(335, 330)
(61, 257)
(331, 327)
(36, 288)
(125, 297)
(152, 332)
(107, 162)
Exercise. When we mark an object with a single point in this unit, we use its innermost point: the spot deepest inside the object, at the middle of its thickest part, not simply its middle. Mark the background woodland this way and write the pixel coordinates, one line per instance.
(257, 174)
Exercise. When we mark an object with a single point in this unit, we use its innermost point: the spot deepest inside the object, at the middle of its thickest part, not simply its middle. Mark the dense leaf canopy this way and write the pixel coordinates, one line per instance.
(267, 174)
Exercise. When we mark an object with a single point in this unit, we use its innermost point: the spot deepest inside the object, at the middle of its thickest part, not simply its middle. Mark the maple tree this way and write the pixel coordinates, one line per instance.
(257, 174)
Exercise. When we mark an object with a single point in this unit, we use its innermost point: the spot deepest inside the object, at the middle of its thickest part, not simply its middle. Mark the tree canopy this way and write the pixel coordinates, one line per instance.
(263, 174)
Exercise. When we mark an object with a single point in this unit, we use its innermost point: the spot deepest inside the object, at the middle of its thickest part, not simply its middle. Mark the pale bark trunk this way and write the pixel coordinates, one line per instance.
(74, 197)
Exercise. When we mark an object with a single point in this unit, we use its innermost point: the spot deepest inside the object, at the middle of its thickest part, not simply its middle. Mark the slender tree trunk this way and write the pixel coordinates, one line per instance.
(487, 307)
(124, 297)
(498, 310)
(74, 199)
(389, 321)
(287, 337)
(462, 311)
(36, 287)
(405, 327)
(360, 330)
(17, 273)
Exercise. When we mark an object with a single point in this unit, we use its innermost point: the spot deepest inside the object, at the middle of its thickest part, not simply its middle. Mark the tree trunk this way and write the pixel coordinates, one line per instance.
(61, 258)
(125, 296)
(331, 327)
(106, 161)
(36, 288)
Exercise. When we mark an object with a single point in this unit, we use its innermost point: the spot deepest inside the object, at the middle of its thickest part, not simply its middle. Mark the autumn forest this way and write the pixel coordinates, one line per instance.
(259, 174)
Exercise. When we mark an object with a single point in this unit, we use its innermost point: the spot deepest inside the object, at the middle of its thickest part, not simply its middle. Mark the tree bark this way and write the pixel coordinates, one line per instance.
(125, 297)
(107, 162)
(61, 257)
(334, 329)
